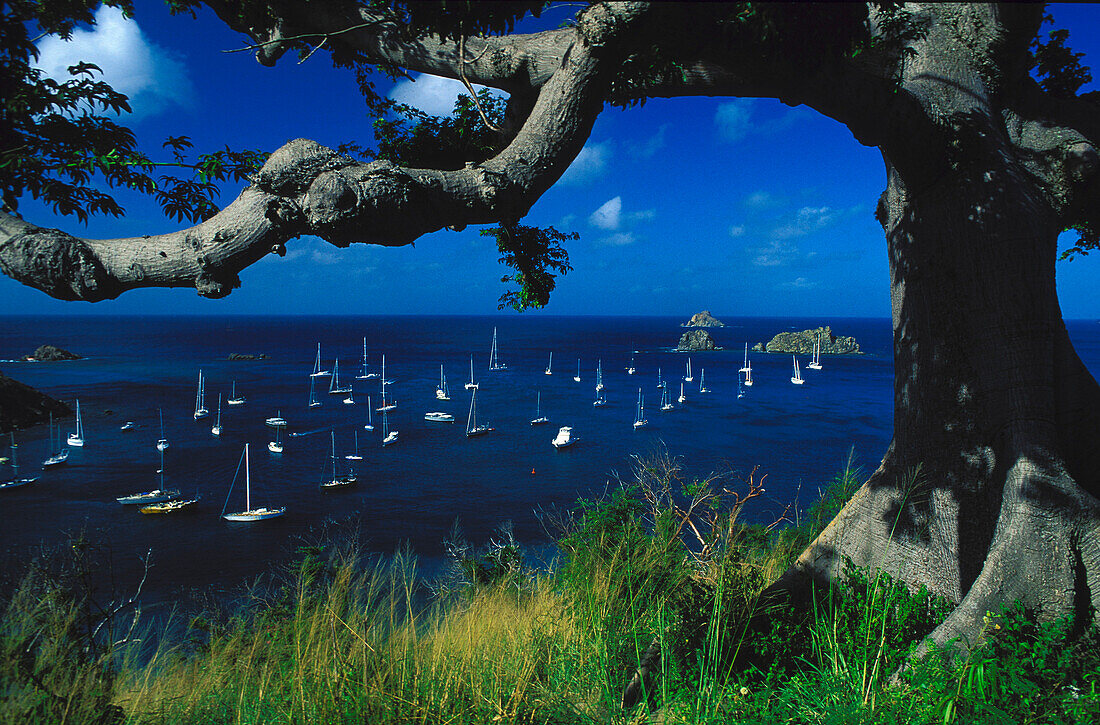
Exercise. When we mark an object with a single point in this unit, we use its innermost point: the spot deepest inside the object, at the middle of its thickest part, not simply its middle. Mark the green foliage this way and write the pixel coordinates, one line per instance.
(538, 257)
(417, 139)
(1059, 69)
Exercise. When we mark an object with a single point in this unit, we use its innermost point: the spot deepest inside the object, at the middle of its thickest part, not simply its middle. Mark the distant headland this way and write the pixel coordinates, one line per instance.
(21, 406)
(802, 343)
(703, 319)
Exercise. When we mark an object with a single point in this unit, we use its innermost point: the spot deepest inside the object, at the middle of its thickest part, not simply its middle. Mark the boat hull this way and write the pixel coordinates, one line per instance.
(255, 514)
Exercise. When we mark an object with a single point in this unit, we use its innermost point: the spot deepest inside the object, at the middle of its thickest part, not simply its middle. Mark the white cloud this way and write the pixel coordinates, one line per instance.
(434, 95)
(150, 75)
(321, 256)
(567, 221)
(807, 220)
(733, 119)
(619, 239)
(608, 216)
(738, 230)
(799, 283)
(590, 164)
(762, 200)
(644, 215)
(648, 148)
(776, 254)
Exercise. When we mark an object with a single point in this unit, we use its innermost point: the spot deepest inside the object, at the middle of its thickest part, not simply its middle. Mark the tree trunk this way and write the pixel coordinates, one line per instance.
(988, 492)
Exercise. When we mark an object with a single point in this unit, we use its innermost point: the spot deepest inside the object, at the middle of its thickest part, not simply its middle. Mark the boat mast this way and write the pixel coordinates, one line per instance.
(247, 482)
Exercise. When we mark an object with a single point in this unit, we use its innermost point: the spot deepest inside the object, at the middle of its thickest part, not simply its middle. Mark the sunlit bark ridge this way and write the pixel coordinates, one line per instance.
(988, 492)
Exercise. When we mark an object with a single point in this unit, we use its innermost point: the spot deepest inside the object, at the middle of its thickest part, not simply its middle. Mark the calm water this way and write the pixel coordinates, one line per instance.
(414, 491)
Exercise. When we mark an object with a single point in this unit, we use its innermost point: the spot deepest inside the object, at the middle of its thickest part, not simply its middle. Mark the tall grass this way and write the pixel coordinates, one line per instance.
(658, 584)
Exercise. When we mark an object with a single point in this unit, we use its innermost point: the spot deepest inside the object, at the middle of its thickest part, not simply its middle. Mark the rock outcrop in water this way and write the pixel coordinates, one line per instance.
(21, 406)
(703, 319)
(802, 343)
(49, 353)
(247, 356)
(696, 341)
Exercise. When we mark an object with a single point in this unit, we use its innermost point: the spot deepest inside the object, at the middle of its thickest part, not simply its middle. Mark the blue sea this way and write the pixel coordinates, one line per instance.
(414, 491)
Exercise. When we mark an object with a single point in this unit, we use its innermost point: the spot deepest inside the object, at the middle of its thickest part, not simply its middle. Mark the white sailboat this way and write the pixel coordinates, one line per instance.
(815, 364)
(441, 393)
(200, 399)
(275, 446)
(564, 439)
(666, 400)
(157, 495)
(249, 514)
(688, 376)
(370, 417)
(599, 375)
(385, 406)
(703, 380)
(162, 442)
(234, 399)
(660, 381)
(128, 425)
(683, 398)
(550, 364)
(494, 360)
(365, 375)
(745, 365)
(639, 414)
(600, 400)
(313, 401)
(577, 377)
(471, 385)
(797, 377)
(77, 438)
(216, 429)
(15, 481)
(748, 376)
(472, 426)
(317, 371)
(337, 481)
(334, 384)
(276, 421)
(539, 418)
(438, 416)
(355, 456)
(60, 454)
(388, 436)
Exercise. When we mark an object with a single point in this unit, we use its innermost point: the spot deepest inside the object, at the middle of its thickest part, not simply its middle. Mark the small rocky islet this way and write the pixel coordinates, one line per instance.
(51, 353)
(696, 341)
(802, 343)
(703, 319)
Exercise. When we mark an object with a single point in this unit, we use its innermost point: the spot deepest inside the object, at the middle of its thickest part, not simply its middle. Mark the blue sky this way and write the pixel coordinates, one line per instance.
(740, 206)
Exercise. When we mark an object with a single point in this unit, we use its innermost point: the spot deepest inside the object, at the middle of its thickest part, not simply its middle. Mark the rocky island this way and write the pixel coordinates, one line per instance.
(696, 341)
(22, 406)
(247, 356)
(802, 343)
(49, 353)
(703, 319)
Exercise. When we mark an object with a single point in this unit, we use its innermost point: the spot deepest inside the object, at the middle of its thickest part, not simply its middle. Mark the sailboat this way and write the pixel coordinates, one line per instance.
(337, 481)
(365, 375)
(577, 377)
(745, 365)
(688, 376)
(249, 514)
(233, 399)
(797, 377)
(157, 495)
(385, 406)
(683, 398)
(564, 438)
(162, 442)
(441, 392)
(77, 438)
(388, 436)
(334, 384)
(494, 361)
(666, 401)
(275, 446)
(317, 371)
(313, 402)
(748, 376)
(370, 417)
(355, 456)
(815, 364)
(128, 425)
(703, 381)
(61, 455)
(660, 381)
(639, 415)
(200, 399)
(472, 427)
(216, 429)
(550, 364)
(539, 418)
(276, 421)
(630, 368)
(15, 481)
(350, 400)
(471, 385)
(438, 416)
(599, 375)
(600, 400)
